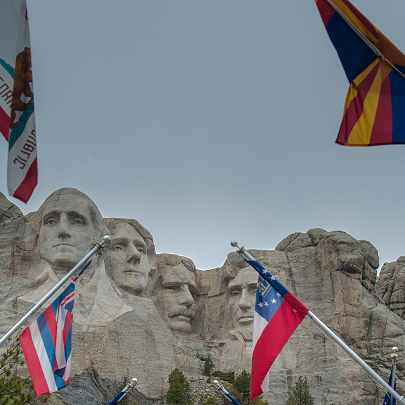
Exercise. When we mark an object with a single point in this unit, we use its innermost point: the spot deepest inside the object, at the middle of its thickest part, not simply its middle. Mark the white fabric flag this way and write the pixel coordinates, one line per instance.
(17, 120)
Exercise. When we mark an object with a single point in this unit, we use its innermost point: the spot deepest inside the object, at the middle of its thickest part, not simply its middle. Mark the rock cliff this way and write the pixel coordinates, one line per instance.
(141, 314)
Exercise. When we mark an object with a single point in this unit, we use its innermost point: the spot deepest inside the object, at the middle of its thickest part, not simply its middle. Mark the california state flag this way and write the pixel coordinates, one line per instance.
(17, 120)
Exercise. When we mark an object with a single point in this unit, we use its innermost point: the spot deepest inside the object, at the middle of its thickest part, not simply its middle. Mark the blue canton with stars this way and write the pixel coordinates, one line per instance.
(268, 300)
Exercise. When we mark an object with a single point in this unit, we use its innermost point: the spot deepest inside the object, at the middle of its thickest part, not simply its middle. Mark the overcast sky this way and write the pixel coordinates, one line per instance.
(208, 121)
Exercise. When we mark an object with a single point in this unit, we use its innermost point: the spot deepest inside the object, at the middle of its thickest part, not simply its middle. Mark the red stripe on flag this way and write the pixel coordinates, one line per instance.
(51, 322)
(325, 10)
(355, 109)
(296, 304)
(25, 189)
(381, 133)
(67, 327)
(271, 341)
(33, 363)
(4, 124)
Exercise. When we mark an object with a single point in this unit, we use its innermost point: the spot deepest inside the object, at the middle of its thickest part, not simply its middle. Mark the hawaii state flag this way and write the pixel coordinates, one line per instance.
(375, 103)
(47, 344)
(277, 314)
(17, 121)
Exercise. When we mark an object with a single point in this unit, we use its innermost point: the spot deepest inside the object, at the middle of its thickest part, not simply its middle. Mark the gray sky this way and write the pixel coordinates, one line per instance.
(208, 121)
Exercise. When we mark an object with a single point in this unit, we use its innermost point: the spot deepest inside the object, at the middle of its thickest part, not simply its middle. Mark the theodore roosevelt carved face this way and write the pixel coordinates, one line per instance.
(174, 297)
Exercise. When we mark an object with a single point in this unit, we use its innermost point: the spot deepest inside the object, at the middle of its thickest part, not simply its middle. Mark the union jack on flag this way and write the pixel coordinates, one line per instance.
(47, 344)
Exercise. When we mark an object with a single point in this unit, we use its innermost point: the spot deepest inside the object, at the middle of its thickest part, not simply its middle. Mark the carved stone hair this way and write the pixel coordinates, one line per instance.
(168, 260)
(95, 215)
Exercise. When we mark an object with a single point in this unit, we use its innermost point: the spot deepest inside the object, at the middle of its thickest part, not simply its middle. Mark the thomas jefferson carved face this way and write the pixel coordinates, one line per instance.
(242, 297)
(129, 262)
(67, 233)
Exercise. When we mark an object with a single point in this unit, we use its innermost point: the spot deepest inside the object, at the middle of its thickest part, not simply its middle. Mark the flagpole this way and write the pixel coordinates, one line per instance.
(393, 367)
(336, 339)
(99, 246)
(363, 37)
(226, 393)
(123, 392)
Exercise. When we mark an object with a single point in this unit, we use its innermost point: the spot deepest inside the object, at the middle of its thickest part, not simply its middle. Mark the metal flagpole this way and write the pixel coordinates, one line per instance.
(363, 37)
(123, 392)
(226, 393)
(336, 339)
(99, 246)
(393, 367)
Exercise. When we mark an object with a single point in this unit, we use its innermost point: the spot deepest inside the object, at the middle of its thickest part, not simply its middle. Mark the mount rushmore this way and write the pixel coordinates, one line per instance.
(141, 314)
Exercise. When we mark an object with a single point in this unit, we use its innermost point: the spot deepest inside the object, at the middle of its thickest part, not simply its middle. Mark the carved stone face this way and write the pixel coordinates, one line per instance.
(242, 297)
(178, 286)
(67, 233)
(342, 252)
(129, 259)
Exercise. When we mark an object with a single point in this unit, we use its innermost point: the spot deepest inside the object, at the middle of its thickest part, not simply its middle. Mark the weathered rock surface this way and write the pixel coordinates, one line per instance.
(138, 314)
(8, 210)
(391, 286)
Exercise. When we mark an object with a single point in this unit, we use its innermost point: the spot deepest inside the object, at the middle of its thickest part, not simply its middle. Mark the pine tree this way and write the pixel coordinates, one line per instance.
(13, 389)
(300, 393)
(240, 389)
(179, 390)
(242, 385)
(208, 365)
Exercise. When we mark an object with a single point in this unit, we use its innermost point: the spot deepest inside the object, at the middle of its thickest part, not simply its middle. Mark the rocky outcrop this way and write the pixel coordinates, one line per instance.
(391, 286)
(138, 314)
(8, 210)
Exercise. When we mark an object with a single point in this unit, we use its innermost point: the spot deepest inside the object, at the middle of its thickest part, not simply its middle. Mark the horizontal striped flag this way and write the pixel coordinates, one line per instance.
(277, 314)
(17, 120)
(47, 344)
(373, 111)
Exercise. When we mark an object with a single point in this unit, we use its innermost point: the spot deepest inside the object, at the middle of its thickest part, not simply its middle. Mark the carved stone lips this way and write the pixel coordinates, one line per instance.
(245, 318)
(182, 317)
(133, 271)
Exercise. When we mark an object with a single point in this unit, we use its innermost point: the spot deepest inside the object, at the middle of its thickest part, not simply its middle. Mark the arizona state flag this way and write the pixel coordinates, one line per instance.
(375, 103)
(17, 121)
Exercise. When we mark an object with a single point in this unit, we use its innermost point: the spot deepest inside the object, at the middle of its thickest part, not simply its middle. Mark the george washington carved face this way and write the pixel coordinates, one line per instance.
(66, 232)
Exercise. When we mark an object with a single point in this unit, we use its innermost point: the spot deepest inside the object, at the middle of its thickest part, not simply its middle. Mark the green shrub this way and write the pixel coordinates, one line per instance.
(225, 376)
